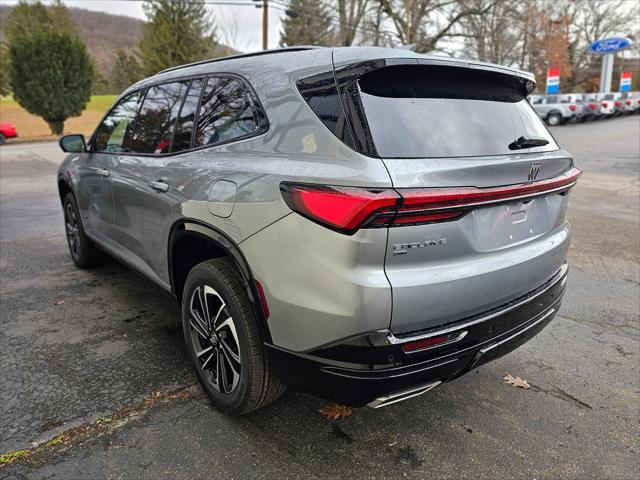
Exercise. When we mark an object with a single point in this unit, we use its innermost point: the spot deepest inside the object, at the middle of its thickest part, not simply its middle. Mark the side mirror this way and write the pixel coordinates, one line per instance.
(73, 144)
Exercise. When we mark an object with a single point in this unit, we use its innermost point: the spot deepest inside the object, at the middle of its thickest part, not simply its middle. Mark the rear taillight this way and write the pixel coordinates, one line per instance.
(628, 102)
(639, 101)
(605, 104)
(347, 209)
(572, 108)
(617, 103)
(593, 106)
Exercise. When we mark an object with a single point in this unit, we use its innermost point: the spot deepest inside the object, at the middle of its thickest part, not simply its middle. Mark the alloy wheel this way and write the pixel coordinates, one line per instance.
(73, 232)
(215, 339)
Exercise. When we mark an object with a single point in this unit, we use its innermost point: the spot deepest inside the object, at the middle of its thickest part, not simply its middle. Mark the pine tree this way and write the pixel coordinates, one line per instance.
(125, 72)
(175, 33)
(310, 24)
(5, 82)
(27, 18)
(51, 75)
(50, 70)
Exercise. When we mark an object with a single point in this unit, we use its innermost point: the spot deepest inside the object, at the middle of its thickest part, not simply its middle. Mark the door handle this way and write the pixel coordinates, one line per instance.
(102, 172)
(159, 186)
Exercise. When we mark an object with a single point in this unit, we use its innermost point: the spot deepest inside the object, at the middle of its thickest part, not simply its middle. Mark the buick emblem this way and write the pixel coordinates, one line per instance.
(534, 169)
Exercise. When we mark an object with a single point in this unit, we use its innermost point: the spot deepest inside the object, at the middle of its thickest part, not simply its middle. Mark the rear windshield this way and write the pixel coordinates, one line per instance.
(427, 111)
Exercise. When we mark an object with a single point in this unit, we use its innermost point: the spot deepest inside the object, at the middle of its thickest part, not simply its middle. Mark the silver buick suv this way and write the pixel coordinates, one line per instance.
(360, 223)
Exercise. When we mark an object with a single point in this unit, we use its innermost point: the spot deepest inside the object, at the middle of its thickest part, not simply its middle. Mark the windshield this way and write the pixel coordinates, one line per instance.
(427, 111)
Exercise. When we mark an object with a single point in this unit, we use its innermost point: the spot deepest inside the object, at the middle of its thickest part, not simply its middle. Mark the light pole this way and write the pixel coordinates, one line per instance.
(265, 24)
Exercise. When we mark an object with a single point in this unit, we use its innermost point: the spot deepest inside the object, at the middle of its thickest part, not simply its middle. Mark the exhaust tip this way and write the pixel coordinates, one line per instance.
(401, 395)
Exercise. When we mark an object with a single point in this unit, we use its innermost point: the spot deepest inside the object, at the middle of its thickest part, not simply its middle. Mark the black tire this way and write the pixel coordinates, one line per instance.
(255, 385)
(3, 139)
(83, 253)
(554, 119)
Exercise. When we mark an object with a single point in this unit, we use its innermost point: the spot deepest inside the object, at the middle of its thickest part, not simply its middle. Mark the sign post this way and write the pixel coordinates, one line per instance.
(608, 47)
(553, 80)
(625, 81)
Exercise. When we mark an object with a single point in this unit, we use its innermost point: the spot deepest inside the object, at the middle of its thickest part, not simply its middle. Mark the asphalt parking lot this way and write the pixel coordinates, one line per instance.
(94, 381)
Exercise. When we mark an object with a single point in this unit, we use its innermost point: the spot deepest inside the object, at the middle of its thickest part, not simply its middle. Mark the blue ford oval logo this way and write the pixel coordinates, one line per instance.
(610, 45)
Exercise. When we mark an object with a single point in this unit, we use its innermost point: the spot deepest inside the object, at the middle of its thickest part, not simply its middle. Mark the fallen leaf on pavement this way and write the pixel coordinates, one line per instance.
(59, 302)
(335, 411)
(515, 381)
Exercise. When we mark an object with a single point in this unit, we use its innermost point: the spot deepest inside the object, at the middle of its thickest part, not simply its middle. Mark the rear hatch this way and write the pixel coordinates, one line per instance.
(461, 145)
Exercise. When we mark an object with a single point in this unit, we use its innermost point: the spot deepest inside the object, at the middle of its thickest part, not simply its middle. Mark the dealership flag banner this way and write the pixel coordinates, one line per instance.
(553, 80)
(625, 81)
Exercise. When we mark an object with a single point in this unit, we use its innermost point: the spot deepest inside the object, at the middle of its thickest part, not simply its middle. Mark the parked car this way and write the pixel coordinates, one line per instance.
(591, 99)
(635, 98)
(614, 99)
(584, 110)
(630, 102)
(607, 104)
(553, 110)
(7, 130)
(353, 226)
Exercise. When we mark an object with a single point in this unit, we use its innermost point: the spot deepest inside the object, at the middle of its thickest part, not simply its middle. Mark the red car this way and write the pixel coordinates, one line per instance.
(7, 130)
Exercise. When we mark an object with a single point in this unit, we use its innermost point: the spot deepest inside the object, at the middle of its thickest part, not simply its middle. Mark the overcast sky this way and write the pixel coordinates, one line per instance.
(246, 37)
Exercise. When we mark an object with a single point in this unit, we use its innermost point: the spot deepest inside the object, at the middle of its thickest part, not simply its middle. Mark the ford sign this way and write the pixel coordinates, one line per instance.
(610, 45)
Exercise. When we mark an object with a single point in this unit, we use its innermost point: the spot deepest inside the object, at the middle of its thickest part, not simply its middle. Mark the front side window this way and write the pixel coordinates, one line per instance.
(114, 133)
(156, 120)
(226, 112)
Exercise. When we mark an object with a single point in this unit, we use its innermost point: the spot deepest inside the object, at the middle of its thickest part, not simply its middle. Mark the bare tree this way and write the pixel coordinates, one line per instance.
(426, 22)
(495, 35)
(350, 16)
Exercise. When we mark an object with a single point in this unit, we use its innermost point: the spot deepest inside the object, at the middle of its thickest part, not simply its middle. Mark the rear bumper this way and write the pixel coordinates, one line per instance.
(361, 370)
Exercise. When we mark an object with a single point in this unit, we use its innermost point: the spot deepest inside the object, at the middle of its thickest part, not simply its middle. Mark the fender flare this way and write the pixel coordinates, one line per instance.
(180, 228)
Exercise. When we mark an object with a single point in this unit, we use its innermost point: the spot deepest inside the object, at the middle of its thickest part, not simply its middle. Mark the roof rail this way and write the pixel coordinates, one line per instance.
(242, 55)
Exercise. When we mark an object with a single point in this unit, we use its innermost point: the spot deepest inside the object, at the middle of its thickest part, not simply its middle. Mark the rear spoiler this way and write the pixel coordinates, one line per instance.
(338, 90)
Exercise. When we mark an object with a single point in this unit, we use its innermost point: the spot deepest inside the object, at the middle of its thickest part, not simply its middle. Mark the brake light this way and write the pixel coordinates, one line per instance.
(639, 101)
(605, 104)
(628, 102)
(347, 209)
(572, 108)
(617, 103)
(593, 106)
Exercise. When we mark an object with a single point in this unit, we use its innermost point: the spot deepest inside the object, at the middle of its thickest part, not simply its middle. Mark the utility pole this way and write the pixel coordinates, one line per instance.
(265, 24)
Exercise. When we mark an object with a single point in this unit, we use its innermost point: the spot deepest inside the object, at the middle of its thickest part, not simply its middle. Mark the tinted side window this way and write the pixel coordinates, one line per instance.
(226, 112)
(114, 133)
(321, 94)
(186, 119)
(157, 118)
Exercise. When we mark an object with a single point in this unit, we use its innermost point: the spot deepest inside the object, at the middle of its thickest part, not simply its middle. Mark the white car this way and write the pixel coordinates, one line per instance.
(607, 106)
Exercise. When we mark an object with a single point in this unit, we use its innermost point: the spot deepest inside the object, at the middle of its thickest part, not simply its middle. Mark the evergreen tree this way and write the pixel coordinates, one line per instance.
(125, 72)
(27, 18)
(5, 83)
(311, 24)
(51, 75)
(175, 33)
